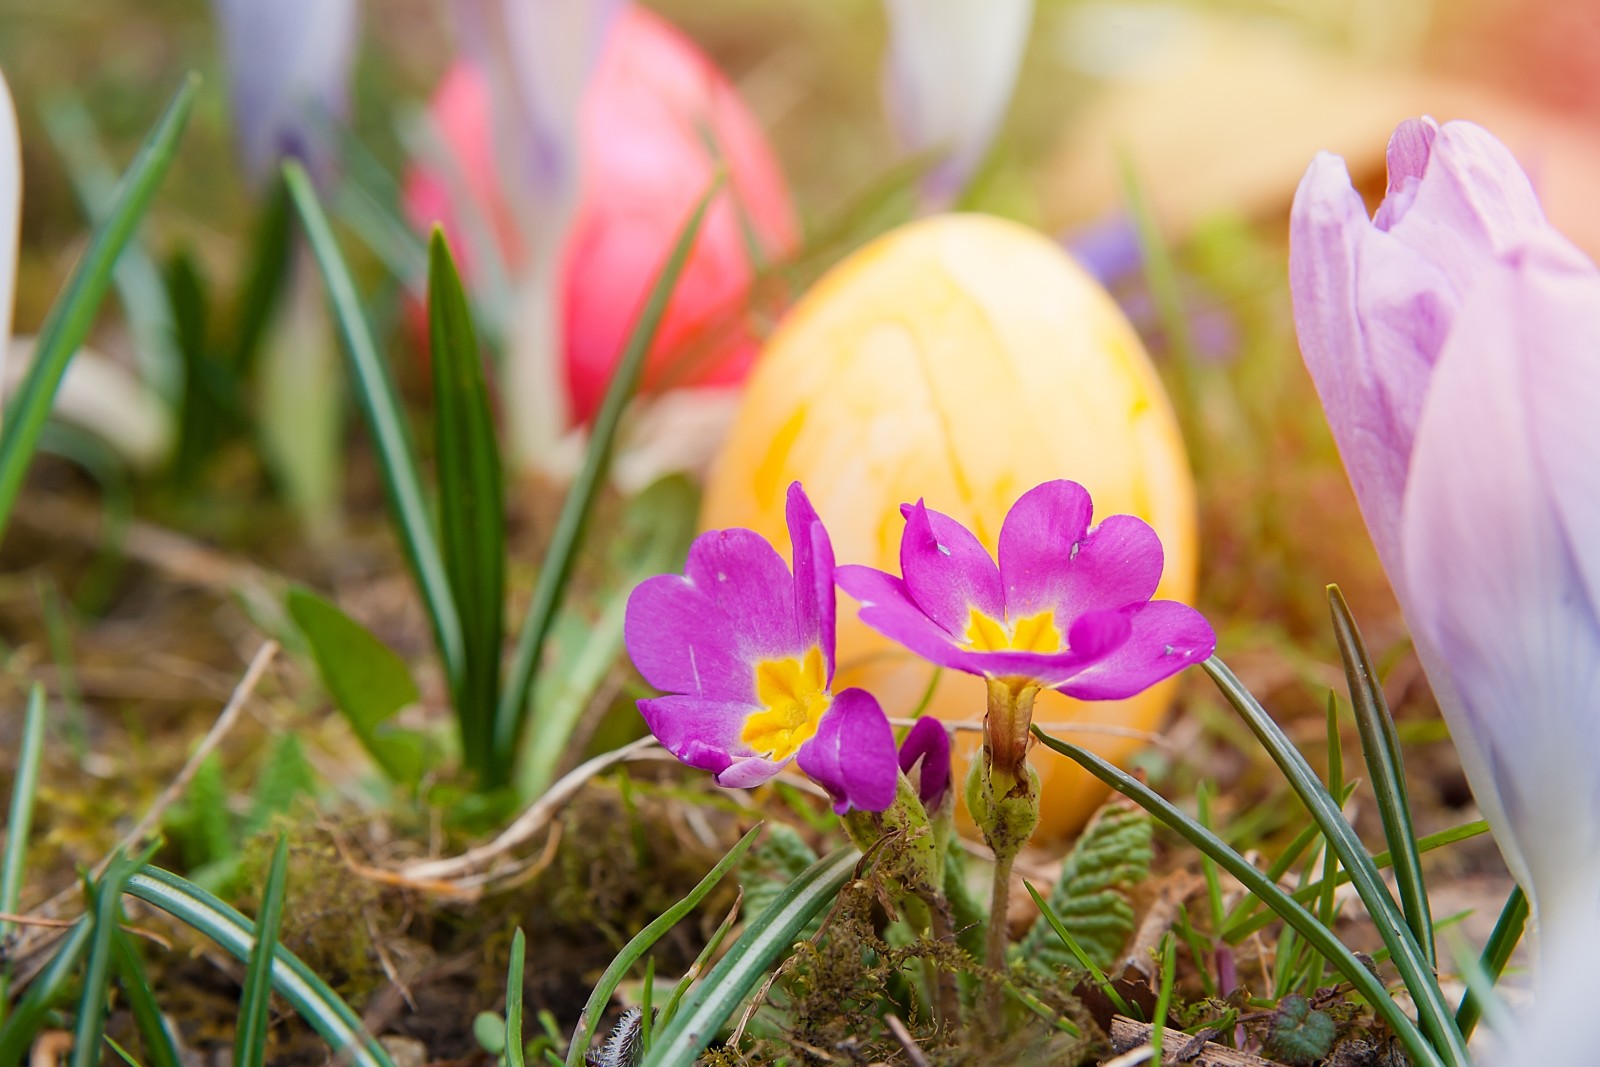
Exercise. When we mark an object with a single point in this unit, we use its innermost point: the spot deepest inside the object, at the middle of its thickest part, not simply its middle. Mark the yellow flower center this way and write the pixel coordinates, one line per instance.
(793, 696)
(1032, 633)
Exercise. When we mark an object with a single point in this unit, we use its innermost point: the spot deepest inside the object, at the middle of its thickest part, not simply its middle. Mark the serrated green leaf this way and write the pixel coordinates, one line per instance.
(367, 680)
(285, 777)
(70, 318)
(1091, 898)
(472, 514)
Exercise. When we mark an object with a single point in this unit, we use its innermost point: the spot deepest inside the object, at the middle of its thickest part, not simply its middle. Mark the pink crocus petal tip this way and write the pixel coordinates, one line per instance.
(928, 741)
(852, 755)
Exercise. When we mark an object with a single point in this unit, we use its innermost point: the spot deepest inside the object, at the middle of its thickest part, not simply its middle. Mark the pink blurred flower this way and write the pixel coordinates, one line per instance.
(1454, 339)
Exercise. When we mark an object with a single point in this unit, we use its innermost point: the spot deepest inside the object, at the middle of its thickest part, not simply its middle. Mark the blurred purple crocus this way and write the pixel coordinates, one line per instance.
(928, 743)
(1454, 339)
(948, 77)
(1067, 608)
(289, 64)
(745, 652)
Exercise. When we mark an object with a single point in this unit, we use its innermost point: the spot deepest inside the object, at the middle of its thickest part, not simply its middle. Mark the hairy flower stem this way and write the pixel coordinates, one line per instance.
(1003, 797)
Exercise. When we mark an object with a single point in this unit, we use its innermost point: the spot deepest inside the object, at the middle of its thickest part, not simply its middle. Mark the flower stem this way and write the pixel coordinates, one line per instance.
(999, 936)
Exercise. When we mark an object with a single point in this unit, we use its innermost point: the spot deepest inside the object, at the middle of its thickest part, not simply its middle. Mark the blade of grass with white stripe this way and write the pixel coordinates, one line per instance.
(380, 407)
(1282, 904)
(308, 994)
(1380, 746)
(1434, 1014)
(642, 942)
(764, 941)
(472, 510)
(558, 561)
(255, 1000)
(19, 825)
(69, 319)
(519, 949)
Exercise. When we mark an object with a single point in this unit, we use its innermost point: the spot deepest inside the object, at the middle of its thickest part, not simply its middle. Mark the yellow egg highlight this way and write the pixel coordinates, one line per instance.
(962, 360)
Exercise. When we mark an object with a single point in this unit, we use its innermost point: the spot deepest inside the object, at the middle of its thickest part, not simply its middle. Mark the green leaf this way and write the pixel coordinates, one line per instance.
(1091, 898)
(1496, 954)
(285, 777)
(385, 421)
(268, 271)
(568, 535)
(69, 319)
(298, 984)
(1434, 1014)
(472, 512)
(513, 1036)
(758, 949)
(1284, 906)
(1380, 746)
(159, 1049)
(1096, 973)
(782, 856)
(367, 680)
(656, 530)
(19, 825)
(642, 942)
(1300, 1034)
(106, 912)
(255, 1001)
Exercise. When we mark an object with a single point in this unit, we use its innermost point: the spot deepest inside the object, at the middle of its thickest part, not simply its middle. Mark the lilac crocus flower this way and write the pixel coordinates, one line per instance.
(928, 743)
(745, 653)
(948, 78)
(1067, 608)
(1453, 339)
(289, 65)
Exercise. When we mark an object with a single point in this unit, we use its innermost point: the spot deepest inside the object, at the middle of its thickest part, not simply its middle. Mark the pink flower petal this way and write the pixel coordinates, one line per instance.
(947, 572)
(852, 755)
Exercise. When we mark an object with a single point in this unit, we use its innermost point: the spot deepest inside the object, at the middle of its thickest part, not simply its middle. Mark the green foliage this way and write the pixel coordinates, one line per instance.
(780, 858)
(1301, 1035)
(368, 681)
(255, 1000)
(1091, 898)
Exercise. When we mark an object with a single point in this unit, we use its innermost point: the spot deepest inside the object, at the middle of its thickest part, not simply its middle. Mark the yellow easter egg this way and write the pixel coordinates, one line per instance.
(962, 360)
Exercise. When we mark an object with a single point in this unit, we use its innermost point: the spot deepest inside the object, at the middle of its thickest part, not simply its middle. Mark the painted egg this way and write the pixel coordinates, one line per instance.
(657, 119)
(962, 360)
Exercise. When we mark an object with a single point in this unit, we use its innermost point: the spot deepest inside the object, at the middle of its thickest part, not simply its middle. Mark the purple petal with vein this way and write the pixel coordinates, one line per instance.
(946, 571)
(852, 755)
(928, 741)
(814, 602)
(289, 64)
(1165, 638)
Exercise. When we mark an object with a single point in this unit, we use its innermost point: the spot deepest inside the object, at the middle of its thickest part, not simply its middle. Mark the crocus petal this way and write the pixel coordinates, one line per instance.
(928, 741)
(852, 755)
(1038, 539)
(10, 214)
(951, 67)
(1556, 1030)
(947, 572)
(887, 607)
(701, 633)
(814, 604)
(1498, 592)
(289, 65)
(1166, 637)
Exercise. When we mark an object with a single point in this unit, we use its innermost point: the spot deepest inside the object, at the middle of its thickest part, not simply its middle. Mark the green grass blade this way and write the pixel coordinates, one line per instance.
(1235, 932)
(558, 561)
(1381, 749)
(764, 941)
(73, 313)
(1158, 1018)
(19, 824)
(270, 248)
(308, 994)
(1496, 954)
(255, 1000)
(472, 511)
(642, 942)
(32, 1011)
(1282, 904)
(89, 1028)
(159, 1050)
(385, 421)
(519, 948)
(1049, 915)
(1436, 1018)
(694, 971)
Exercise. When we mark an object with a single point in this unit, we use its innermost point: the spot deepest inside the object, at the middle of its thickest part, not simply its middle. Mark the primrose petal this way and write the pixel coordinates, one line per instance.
(947, 571)
(853, 754)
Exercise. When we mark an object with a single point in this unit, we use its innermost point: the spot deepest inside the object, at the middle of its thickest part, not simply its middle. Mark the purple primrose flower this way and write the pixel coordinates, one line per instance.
(1068, 607)
(929, 742)
(745, 653)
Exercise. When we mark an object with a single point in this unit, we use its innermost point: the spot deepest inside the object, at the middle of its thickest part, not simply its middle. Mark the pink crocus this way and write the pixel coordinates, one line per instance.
(744, 651)
(1454, 339)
